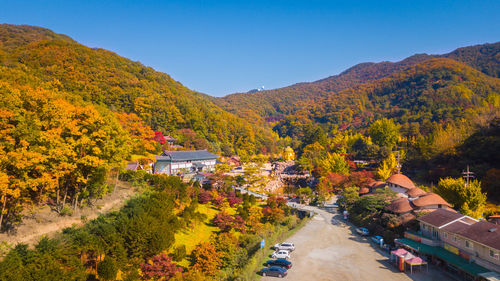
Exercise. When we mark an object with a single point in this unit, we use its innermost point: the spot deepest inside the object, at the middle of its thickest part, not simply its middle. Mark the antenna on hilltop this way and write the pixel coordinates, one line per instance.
(467, 175)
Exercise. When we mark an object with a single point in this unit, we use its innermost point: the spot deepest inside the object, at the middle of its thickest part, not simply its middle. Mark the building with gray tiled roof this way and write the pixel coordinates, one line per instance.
(189, 161)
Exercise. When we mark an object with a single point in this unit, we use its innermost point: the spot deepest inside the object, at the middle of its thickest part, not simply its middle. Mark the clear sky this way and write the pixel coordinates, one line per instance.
(221, 47)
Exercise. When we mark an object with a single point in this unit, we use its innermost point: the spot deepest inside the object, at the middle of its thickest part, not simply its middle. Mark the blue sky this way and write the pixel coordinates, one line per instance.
(222, 47)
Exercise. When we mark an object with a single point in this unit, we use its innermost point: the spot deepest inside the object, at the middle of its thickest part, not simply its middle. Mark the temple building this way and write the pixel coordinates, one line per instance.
(185, 162)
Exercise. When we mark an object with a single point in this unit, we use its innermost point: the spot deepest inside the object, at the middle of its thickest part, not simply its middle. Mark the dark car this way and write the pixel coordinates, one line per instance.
(279, 262)
(275, 271)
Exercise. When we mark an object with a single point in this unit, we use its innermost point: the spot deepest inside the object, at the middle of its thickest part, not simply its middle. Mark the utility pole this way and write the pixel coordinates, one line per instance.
(467, 175)
(398, 165)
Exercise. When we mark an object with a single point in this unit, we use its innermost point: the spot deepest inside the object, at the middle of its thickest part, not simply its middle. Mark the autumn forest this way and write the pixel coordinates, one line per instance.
(73, 117)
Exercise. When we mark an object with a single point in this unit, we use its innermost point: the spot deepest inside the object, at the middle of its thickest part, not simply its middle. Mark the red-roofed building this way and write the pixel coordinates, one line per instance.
(415, 192)
(400, 183)
(400, 206)
(430, 201)
(476, 241)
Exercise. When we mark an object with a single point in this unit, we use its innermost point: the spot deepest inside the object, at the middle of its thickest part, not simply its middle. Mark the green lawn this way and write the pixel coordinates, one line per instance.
(200, 232)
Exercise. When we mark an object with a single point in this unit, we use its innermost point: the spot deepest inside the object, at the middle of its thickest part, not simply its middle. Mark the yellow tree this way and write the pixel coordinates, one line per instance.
(387, 167)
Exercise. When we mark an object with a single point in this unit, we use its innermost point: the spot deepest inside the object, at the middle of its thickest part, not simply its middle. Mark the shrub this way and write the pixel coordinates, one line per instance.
(66, 211)
(107, 269)
(273, 214)
(179, 253)
(204, 197)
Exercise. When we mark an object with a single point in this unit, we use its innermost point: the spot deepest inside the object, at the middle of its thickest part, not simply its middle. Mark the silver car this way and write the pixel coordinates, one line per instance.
(285, 246)
(281, 254)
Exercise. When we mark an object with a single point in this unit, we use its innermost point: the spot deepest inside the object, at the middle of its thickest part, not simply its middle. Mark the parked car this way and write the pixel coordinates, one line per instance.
(274, 271)
(279, 262)
(363, 231)
(281, 254)
(377, 239)
(285, 246)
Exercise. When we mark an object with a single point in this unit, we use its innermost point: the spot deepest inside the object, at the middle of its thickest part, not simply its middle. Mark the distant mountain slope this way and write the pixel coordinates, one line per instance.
(437, 90)
(273, 104)
(38, 57)
(485, 58)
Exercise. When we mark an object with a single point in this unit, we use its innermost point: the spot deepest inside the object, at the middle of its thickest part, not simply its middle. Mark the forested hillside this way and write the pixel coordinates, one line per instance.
(69, 114)
(274, 104)
(37, 57)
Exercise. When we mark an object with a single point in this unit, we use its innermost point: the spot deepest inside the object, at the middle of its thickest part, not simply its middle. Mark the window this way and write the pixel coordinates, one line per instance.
(435, 233)
(468, 244)
(455, 238)
(445, 235)
(494, 255)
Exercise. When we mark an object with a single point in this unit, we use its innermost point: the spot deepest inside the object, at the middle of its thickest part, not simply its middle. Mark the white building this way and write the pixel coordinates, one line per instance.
(192, 161)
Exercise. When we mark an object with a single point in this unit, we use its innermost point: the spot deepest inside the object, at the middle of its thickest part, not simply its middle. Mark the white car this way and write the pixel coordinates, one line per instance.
(281, 254)
(285, 246)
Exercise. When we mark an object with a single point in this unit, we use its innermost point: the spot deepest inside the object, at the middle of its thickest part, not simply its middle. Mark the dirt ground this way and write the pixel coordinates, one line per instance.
(43, 221)
(326, 251)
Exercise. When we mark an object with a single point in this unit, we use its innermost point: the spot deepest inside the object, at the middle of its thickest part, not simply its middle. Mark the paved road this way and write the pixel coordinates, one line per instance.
(326, 251)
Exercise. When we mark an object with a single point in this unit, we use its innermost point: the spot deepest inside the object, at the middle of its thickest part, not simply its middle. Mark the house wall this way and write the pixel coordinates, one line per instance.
(162, 167)
(477, 252)
(429, 231)
(177, 166)
(398, 189)
(434, 207)
(165, 167)
(484, 253)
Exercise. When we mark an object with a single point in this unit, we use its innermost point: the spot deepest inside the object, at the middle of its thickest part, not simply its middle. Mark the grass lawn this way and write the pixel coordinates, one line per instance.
(200, 232)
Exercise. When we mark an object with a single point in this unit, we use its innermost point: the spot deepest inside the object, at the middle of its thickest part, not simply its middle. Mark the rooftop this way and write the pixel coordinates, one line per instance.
(376, 184)
(401, 180)
(430, 199)
(459, 225)
(398, 206)
(364, 190)
(132, 166)
(170, 138)
(186, 155)
(416, 192)
(440, 217)
(484, 232)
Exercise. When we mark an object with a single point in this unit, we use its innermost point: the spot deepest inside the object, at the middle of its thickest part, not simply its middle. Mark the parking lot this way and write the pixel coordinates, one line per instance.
(326, 251)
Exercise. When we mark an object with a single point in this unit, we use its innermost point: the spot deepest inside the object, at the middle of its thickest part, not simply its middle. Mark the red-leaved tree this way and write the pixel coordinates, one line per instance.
(239, 224)
(224, 221)
(159, 137)
(218, 201)
(233, 200)
(161, 268)
(204, 197)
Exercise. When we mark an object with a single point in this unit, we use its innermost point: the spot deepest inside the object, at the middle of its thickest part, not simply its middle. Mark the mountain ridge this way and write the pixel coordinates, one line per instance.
(271, 103)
